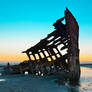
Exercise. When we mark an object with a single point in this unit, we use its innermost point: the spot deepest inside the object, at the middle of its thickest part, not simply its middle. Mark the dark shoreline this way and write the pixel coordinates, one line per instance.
(85, 64)
(2, 65)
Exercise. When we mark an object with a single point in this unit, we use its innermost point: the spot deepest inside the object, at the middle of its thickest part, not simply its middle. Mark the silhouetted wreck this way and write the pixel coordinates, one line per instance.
(58, 52)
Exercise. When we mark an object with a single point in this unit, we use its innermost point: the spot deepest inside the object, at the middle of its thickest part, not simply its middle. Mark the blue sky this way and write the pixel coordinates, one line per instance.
(24, 22)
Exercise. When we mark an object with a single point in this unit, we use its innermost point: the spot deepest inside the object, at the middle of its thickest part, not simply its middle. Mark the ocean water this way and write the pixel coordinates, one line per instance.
(11, 62)
(32, 83)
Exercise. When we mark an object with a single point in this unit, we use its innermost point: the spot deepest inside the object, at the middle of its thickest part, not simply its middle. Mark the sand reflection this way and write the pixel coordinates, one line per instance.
(84, 85)
(2, 80)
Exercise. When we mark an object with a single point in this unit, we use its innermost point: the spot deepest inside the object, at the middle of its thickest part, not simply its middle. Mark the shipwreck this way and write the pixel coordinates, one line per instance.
(55, 54)
(59, 51)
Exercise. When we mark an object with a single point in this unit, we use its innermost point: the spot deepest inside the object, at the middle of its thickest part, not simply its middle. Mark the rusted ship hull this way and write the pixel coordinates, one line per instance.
(59, 51)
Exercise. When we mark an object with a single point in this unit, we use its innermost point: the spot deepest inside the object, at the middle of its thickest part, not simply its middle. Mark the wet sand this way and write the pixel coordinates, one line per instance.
(31, 83)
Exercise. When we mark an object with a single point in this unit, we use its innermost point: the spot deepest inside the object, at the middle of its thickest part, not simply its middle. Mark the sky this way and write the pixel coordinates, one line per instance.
(23, 23)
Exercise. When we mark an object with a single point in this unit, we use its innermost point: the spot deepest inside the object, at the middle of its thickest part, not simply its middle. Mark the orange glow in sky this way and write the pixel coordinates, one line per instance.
(22, 57)
(24, 23)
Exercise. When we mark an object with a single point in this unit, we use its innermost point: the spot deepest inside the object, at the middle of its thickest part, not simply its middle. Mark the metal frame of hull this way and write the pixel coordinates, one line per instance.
(49, 51)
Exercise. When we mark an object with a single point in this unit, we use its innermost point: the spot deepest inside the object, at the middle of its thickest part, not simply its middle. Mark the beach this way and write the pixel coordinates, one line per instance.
(32, 83)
